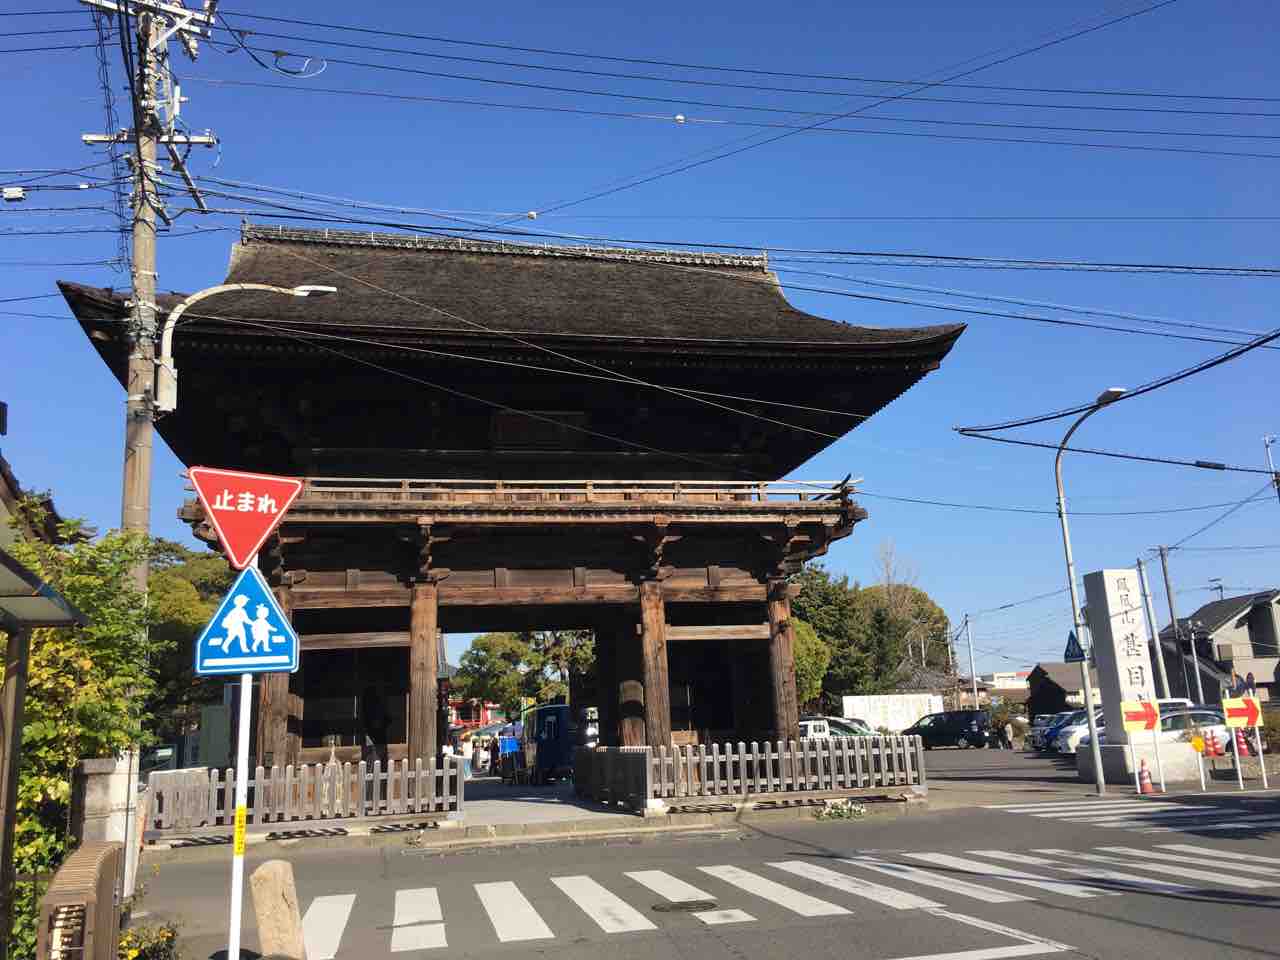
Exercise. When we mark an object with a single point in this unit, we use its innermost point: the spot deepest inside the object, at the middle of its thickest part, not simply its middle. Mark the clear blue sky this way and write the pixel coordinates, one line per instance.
(65, 409)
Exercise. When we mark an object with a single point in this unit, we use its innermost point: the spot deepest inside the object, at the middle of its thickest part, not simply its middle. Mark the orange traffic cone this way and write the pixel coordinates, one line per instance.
(1144, 779)
(1242, 745)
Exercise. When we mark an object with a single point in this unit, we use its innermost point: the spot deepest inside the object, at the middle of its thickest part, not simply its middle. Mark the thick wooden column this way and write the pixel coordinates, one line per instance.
(629, 683)
(607, 637)
(423, 616)
(273, 706)
(653, 644)
(782, 663)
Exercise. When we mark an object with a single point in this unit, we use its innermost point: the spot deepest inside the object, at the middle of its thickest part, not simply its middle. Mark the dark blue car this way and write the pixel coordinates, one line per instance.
(549, 739)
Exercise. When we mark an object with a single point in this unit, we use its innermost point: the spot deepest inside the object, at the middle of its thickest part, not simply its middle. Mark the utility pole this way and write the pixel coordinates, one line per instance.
(1173, 618)
(973, 671)
(1267, 441)
(1152, 628)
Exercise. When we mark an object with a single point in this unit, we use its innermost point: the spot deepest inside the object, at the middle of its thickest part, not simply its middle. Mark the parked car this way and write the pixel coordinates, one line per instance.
(823, 728)
(1035, 736)
(1177, 725)
(1063, 720)
(954, 728)
(549, 736)
(1069, 736)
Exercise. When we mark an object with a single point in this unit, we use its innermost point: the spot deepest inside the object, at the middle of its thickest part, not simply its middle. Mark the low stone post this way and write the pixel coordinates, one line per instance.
(104, 806)
(275, 904)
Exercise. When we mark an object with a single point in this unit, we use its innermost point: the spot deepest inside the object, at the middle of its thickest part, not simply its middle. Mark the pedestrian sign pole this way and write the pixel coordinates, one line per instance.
(248, 633)
(1245, 712)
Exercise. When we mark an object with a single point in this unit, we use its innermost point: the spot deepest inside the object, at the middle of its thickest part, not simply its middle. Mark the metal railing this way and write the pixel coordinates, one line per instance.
(79, 916)
(358, 489)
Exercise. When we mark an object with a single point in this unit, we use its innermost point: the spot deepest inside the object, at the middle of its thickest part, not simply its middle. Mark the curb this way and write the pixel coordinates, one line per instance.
(452, 836)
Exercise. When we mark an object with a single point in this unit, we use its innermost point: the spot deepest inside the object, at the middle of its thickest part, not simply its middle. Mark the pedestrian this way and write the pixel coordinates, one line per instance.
(1250, 685)
(1007, 734)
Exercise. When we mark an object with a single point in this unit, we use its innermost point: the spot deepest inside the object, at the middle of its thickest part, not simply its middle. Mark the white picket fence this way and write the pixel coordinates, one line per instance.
(186, 800)
(634, 775)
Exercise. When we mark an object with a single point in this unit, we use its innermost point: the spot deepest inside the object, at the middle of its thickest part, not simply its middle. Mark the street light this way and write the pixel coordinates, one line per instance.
(166, 388)
(1107, 396)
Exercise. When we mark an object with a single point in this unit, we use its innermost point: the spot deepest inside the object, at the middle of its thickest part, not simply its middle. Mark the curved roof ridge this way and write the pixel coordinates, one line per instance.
(251, 232)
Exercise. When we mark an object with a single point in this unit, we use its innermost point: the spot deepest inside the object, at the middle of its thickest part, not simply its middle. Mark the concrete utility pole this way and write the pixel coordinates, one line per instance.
(1173, 619)
(1152, 628)
(973, 671)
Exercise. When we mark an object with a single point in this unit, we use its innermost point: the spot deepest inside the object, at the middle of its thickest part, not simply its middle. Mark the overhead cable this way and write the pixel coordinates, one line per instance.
(1263, 492)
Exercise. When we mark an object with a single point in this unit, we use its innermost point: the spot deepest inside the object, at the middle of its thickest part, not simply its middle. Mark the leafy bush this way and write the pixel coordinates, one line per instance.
(150, 942)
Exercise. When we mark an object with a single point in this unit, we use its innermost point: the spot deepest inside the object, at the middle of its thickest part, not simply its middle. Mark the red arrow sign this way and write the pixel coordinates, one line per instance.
(243, 507)
(1248, 710)
(1147, 715)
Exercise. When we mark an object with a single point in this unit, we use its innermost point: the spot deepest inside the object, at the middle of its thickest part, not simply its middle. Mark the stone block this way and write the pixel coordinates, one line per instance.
(275, 903)
(1179, 761)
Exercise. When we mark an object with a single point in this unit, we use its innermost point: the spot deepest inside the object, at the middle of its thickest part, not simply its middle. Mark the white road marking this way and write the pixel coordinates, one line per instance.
(417, 906)
(930, 879)
(416, 925)
(1240, 823)
(1136, 863)
(422, 936)
(1067, 805)
(1228, 855)
(977, 868)
(714, 918)
(510, 912)
(793, 900)
(323, 923)
(1030, 945)
(1086, 874)
(670, 888)
(1105, 873)
(1156, 816)
(610, 913)
(889, 897)
(1250, 869)
(1142, 810)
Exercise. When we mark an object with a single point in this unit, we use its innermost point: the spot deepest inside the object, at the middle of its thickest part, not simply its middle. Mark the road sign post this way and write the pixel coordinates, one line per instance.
(1139, 715)
(1197, 744)
(1244, 712)
(248, 633)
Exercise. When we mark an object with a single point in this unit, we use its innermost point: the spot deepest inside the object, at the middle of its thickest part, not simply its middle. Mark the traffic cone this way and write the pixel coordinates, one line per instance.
(1242, 745)
(1144, 778)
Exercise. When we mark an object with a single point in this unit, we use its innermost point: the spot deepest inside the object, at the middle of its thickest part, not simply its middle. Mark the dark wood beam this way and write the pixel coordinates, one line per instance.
(352, 641)
(451, 596)
(653, 642)
(782, 663)
(423, 617)
(743, 631)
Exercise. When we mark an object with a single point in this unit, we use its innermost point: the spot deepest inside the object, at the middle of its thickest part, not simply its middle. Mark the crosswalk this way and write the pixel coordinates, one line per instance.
(1147, 816)
(737, 895)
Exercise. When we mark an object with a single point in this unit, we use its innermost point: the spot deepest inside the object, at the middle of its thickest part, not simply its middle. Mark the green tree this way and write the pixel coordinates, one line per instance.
(555, 656)
(812, 657)
(86, 695)
(493, 669)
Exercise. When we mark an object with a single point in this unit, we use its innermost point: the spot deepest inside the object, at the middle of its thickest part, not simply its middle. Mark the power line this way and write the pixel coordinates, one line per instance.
(1019, 603)
(684, 101)
(348, 29)
(763, 125)
(1158, 383)
(34, 296)
(1265, 546)
(1263, 491)
(735, 150)
(910, 258)
(1116, 455)
(70, 46)
(1001, 508)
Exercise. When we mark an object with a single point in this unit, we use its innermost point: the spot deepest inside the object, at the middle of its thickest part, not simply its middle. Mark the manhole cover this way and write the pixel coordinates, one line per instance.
(684, 906)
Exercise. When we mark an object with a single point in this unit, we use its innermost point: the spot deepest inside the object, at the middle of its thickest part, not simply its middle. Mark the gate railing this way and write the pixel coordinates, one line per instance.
(635, 775)
(184, 800)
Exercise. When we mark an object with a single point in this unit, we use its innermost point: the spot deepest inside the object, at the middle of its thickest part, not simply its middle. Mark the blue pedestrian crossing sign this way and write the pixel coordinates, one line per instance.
(1075, 653)
(249, 633)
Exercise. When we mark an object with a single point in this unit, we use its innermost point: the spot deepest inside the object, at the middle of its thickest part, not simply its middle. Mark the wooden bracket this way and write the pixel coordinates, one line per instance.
(654, 540)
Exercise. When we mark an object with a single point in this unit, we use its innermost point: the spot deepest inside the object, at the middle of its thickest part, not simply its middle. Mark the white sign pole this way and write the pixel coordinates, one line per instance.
(1236, 739)
(1133, 762)
(1200, 768)
(1155, 742)
(1262, 761)
(242, 799)
(241, 811)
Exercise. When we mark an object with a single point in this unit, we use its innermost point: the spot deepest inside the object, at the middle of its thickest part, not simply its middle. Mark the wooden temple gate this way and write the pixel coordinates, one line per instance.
(683, 584)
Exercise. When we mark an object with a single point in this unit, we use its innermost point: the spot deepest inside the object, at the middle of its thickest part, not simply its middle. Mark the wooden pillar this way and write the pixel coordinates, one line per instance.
(17, 653)
(423, 615)
(607, 638)
(657, 685)
(273, 705)
(782, 663)
(629, 683)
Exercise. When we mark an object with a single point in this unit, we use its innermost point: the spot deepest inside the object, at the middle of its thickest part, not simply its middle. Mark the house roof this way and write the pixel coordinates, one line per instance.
(1064, 675)
(466, 286)
(1215, 615)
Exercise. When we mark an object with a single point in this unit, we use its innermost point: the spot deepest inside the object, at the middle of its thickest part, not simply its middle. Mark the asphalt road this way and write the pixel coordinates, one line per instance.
(964, 883)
